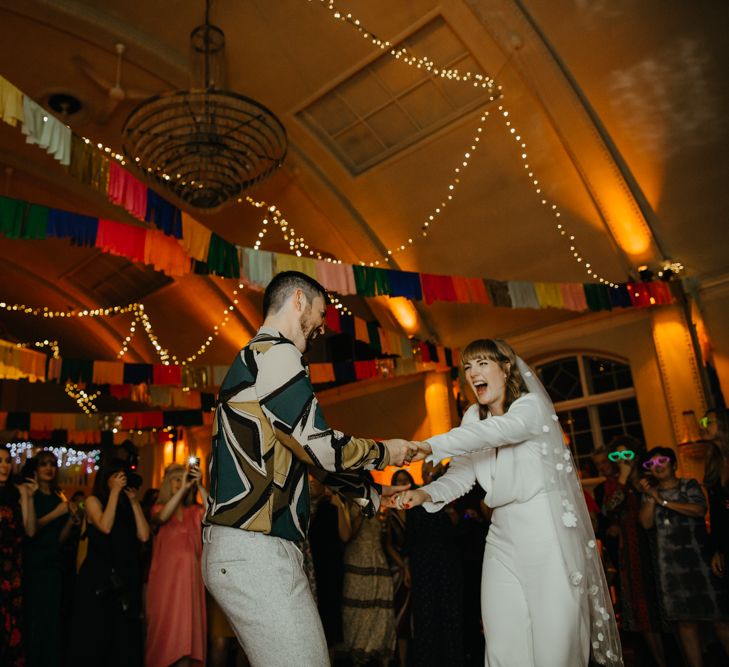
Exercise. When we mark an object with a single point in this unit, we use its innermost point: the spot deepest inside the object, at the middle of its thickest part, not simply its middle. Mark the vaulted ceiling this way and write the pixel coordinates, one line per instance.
(623, 108)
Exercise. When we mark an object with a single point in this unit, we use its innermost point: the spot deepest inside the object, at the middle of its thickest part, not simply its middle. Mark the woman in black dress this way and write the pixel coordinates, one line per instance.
(437, 591)
(329, 517)
(17, 520)
(43, 566)
(688, 591)
(108, 603)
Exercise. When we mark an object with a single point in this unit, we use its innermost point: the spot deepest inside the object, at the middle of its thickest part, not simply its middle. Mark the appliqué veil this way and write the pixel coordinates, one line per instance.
(574, 529)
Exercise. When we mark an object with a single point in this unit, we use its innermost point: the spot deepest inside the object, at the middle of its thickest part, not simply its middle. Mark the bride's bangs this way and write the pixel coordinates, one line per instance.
(483, 348)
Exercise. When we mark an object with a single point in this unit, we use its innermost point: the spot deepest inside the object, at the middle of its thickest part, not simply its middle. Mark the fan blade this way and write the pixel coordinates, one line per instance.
(91, 73)
(137, 94)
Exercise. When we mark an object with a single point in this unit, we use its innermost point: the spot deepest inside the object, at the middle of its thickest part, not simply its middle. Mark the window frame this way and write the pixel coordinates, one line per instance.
(587, 400)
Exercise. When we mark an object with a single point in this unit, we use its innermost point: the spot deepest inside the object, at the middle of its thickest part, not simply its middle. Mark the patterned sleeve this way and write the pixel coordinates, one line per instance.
(694, 494)
(356, 486)
(287, 398)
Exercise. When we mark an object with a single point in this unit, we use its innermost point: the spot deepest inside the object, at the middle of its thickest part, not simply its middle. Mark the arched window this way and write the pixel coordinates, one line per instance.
(595, 400)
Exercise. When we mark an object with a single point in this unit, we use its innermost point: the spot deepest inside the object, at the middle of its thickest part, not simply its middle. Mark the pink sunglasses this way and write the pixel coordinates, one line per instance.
(656, 461)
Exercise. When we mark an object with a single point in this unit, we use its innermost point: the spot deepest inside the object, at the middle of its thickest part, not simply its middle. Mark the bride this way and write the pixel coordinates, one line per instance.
(544, 599)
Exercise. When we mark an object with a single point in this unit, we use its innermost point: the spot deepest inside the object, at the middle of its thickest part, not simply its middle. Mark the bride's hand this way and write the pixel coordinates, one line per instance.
(413, 498)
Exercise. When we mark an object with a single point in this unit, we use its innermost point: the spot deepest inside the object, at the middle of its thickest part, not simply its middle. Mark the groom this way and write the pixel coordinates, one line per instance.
(269, 430)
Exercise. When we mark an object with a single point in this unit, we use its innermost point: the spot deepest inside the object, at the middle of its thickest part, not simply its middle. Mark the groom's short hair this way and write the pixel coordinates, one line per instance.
(284, 284)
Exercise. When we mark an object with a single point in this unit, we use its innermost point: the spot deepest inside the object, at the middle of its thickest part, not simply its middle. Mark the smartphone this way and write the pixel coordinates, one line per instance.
(193, 463)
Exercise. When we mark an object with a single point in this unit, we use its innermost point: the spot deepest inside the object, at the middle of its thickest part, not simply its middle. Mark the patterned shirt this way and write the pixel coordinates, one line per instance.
(268, 431)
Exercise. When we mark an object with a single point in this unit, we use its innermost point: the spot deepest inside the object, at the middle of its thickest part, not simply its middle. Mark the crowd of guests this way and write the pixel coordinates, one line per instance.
(80, 583)
(115, 579)
(664, 549)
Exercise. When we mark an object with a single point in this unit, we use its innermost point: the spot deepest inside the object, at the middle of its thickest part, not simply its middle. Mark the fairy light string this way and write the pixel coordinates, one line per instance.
(140, 319)
(52, 344)
(83, 399)
(401, 54)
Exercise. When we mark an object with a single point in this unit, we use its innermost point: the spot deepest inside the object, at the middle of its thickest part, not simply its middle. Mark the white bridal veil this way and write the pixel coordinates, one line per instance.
(574, 530)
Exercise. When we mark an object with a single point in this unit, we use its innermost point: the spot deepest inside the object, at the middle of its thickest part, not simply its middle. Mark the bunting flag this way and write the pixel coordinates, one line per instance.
(173, 256)
(213, 254)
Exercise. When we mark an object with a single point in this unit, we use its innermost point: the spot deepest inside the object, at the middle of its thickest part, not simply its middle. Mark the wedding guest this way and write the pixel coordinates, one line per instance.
(176, 619)
(43, 566)
(716, 481)
(608, 520)
(368, 618)
(437, 582)
(17, 521)
(396, 546)
(638, 594)
(108, 601)
(328, 529)
(688, 592)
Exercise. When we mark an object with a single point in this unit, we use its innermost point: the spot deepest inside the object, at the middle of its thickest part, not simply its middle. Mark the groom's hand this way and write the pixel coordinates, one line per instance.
(401, 451)
(422, 451)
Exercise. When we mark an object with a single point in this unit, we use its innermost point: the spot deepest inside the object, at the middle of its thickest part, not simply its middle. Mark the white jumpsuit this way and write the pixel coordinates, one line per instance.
(532, 616)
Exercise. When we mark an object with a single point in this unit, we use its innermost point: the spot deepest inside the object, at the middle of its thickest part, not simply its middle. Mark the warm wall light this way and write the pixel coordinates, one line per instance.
(630, 230)
(168, 453)
(678, 365)
(405, 313)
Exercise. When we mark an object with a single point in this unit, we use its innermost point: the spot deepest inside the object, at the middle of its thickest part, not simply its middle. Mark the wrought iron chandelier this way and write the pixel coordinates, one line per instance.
(205, 145)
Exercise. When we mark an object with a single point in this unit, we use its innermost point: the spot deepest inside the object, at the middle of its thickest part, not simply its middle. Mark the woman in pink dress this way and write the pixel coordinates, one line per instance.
(176, 623)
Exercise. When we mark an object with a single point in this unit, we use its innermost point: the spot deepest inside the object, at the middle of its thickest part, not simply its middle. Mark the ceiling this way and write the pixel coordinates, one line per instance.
(623, 107)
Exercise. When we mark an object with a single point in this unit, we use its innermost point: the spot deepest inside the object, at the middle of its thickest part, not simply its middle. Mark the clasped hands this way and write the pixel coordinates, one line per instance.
(404, 452)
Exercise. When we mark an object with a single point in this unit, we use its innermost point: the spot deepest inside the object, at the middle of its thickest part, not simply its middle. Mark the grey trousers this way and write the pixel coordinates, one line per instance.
(260, 585)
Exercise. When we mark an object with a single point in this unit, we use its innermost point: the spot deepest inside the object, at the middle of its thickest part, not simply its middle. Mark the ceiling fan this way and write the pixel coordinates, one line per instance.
(115, 93)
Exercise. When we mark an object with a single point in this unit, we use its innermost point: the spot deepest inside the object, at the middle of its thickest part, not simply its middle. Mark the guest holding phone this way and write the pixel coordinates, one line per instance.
(108, 600)
(638, 599)
(176, 620)
(688, 592)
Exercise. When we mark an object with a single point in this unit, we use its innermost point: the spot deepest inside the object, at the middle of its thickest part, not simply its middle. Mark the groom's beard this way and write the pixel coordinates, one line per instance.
(309, 336)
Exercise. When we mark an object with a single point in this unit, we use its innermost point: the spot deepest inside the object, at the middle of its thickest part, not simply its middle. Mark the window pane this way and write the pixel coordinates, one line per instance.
(619, 418)
(561, 379)
(605, 375)
(576, 426)
(609, 414)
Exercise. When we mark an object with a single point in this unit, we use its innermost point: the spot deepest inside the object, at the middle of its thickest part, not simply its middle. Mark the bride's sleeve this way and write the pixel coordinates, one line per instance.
(523, 421)
(457, 481)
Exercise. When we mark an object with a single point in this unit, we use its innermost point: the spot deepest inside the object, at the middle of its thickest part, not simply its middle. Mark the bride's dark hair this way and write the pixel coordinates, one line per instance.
(498, 350)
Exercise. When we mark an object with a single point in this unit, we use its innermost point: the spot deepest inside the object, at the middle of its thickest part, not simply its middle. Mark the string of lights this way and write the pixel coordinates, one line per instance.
(127, 339)
(67, 456)
(434, 214)
(164, 354)
(337, 303)
(85, 401)
(53, 344)
(518, 137)
(297, 244)
(560, 227)
(402, 54)
(140, 318)
(45, 311)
